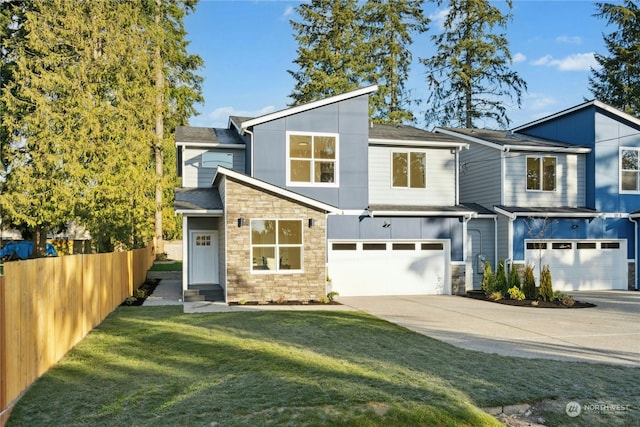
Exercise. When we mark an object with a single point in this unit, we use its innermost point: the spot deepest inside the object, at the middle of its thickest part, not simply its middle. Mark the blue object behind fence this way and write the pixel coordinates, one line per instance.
(23, 250)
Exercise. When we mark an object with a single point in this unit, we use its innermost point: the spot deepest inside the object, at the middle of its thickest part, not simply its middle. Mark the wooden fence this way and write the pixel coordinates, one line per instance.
(48, 305)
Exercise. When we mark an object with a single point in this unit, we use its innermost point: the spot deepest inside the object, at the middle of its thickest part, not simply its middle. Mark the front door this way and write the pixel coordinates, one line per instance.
(203, 257)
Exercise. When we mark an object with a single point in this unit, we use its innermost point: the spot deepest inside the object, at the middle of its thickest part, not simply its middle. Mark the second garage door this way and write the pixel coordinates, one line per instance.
(581, 265)
(368, 268)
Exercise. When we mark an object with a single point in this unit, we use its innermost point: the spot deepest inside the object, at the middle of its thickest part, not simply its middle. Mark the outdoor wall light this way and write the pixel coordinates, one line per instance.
(241, 222)
(574, 226)
(312, 222)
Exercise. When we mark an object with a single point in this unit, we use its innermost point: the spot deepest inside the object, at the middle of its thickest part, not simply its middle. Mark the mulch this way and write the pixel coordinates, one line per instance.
(479, 295)
(148, 287)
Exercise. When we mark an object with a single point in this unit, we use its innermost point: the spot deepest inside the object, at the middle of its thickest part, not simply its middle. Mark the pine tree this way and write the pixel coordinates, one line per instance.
(501, 279)
(546, 289)
(332, 54)
(514, 277)
(469, 77)
(389, 27)
(529, 283)
(77, 111)
(617, 83)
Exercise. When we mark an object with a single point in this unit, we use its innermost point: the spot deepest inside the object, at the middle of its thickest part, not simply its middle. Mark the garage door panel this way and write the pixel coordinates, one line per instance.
(581, 265)
(402, 268)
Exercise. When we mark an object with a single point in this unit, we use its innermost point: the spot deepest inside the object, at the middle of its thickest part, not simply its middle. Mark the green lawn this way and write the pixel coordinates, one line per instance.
(150, 366)
(168, 266)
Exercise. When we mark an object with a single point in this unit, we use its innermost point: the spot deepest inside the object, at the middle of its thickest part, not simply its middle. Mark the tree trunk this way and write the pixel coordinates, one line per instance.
(157, 148)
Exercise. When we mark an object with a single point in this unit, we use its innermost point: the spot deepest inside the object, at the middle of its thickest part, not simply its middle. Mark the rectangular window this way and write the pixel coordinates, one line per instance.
(374, 246)
(312, 159)
(432, 246)
(409, 169)
(610, 245)
(404, 246)
(629, 169)
(276, 245)
(344, 246)
(562, 245)
(541, 173)
(586, 245)
(536, 245)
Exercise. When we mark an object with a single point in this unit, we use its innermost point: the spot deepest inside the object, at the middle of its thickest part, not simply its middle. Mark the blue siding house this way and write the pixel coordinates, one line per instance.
(297, 203)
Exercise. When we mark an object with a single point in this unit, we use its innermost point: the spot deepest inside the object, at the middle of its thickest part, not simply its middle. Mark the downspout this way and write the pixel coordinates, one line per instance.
(635, 251)
(185, 254)
(250, 151)
(495, 239)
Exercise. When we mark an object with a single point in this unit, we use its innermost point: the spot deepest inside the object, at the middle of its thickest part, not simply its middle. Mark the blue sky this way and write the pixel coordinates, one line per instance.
(248, 46)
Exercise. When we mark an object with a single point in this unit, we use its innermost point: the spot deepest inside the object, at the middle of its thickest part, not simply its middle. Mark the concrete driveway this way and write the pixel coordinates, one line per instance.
(608, 333)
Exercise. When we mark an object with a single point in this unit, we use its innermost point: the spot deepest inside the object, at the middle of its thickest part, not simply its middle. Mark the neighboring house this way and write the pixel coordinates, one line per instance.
(296, 203)
(566, 189)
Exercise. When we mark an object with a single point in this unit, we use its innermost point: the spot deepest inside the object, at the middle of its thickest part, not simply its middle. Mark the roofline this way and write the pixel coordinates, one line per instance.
(595, 103)
(509, 147)
(274, 189)
(514, 215)
(305, 107)
(211, 144)
(421, 143)
(374, 213)
(199, 212)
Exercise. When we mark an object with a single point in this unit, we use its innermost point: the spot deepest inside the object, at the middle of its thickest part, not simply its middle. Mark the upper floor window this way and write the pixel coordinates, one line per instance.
(541, 173)
(276, 245)
(629, 169)
(312, 159)
(409, 169)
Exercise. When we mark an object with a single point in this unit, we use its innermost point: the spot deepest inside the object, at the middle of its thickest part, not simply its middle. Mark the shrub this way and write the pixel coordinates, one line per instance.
(516, 294)
(488, 280)
(514, 277)
(501, 279)
(495, 296)
(529, 283)
(546, 290)
(331, 295)
(568, 301)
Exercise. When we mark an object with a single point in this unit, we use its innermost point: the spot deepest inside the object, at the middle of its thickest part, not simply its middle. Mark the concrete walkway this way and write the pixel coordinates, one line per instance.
(608, 333)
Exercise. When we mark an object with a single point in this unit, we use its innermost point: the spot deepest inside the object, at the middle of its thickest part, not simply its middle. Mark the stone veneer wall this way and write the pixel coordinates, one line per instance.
(243, 201)
(458, 279)
(631, 278)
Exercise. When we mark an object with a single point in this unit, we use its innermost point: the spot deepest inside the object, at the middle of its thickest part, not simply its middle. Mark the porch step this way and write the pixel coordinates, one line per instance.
(211, 293)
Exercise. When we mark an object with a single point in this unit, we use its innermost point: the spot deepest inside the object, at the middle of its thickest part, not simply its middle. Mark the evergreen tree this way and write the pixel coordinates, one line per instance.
(514, 277)
(389, 29)
(469, 77)
(501, 279)
(529, 283)
(546, 289)
(332, 52)
(617, 83)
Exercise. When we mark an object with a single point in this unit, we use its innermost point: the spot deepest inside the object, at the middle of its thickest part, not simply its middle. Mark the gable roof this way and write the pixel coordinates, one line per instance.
(511, 141)
(244, 125)
(389, 134)
(222, 171)
(188, 135)
(593, 103)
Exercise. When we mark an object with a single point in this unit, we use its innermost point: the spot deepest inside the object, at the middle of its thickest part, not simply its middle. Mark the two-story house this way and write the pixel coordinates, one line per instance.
(564, 191)
(296, 203)
(612, 181)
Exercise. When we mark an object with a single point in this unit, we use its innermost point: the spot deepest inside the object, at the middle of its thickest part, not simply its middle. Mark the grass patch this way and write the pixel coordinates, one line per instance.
(167, 266)
(149, 366)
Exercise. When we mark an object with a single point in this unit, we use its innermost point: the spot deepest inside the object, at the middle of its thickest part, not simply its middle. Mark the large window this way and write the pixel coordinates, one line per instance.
(409, 169)
(541, 173)
(276, 245)
(629, 169)
(313, 159)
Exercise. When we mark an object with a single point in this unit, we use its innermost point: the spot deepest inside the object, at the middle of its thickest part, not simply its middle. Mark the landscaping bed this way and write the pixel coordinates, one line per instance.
(556, 303)
(142, 293)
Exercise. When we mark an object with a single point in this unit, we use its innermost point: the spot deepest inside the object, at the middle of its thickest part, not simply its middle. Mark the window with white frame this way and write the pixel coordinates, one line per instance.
(276, 245)
(312, 159)
(629, 169)
(408, 169)
(541, 173)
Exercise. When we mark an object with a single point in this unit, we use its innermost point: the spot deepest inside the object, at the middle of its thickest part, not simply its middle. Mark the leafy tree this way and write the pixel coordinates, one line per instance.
(389, 28)
(618, 81)
(332, 54)
(469, 76)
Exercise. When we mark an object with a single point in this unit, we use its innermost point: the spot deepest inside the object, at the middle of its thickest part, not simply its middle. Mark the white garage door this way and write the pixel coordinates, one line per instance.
(389, 268)
(581, 265)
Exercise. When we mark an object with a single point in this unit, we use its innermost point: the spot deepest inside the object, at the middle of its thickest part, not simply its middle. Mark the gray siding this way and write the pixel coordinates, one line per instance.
(480, 176)
(441, 180)
(503, 239)
(570, 181)
(348, 119)
(194, 174)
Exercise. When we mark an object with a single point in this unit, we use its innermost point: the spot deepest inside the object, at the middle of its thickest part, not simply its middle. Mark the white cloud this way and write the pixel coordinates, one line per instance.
(519, 57)
(439, 17)
(569, 39)
(288, 11)
(219, 118)
(538, 101)
(575, 62)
